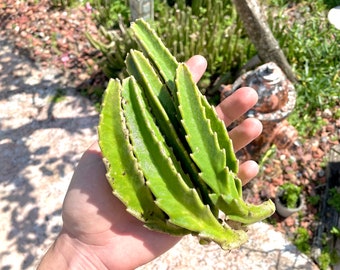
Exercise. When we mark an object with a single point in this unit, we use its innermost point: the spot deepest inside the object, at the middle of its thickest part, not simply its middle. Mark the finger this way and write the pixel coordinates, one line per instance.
(95, 150)
(197, 65)
(237, 104)
(248, 170)
(245, 132)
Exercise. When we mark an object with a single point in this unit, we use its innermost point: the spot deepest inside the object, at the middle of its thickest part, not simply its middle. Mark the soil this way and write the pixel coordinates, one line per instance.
(55, 38)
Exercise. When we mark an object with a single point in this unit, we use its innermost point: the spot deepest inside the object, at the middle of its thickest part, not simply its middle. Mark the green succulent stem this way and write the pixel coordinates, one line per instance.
(169, 157)
(125, 178)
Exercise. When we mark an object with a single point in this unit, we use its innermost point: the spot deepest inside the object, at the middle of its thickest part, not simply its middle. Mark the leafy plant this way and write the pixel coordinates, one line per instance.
(314, 200)
(290, 195)
(324, 260)
(335, 231)
(169, 157)
(302, 240)
(329, 255)
(327, 258)
(334, 198)
(114, 47)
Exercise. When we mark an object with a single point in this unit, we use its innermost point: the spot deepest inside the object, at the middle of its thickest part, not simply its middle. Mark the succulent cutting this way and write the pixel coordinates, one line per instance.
(169, 158)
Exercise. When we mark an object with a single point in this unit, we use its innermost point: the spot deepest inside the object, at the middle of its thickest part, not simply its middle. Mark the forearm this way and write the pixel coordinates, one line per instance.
(65, 254)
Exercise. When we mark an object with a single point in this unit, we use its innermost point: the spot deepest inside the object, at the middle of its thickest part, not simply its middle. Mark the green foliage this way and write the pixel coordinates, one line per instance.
(212, 30)
(324, 260)
(335, 231)
(302, 240)
(334, 199)
(327, 258)
(312, 47)
(291, 194)
(173, 171)
(314, 200)
(109, 13)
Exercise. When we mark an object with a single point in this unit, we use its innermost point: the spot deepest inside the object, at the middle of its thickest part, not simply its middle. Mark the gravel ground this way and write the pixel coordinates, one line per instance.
(45, 127)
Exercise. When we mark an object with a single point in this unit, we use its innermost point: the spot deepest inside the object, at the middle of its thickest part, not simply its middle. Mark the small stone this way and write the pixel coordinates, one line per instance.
(321, 173)
(318, 153)
(83, 76)
(23, 34)
(290, 221)
(307, 157)
(278, 181)
(327, 113)
(305, 224)
(330, 128)
(324, 139)
(292, 159)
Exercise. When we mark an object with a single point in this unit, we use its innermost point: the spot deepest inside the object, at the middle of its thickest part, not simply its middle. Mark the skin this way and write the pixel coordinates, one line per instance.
(97, 231)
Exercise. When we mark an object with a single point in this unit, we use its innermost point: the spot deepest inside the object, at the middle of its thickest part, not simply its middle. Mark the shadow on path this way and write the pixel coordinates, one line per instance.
(44, 128)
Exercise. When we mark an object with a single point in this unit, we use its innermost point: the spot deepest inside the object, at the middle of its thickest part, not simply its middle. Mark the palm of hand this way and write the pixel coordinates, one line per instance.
(99, 221)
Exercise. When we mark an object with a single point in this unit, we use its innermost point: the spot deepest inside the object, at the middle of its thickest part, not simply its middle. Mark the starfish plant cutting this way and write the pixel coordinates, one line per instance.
(169, 158)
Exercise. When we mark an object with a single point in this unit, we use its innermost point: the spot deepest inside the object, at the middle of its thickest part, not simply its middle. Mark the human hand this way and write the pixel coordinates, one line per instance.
(98, 232)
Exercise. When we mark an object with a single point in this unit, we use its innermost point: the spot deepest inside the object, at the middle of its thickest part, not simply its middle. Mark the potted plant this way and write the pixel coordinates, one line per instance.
(288, 199)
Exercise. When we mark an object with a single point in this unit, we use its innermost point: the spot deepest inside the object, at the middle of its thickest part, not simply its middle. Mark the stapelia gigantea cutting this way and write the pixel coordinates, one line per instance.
(169, 158)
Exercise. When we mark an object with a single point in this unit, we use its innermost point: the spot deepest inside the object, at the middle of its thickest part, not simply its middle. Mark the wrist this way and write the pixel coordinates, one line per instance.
(69, 253)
